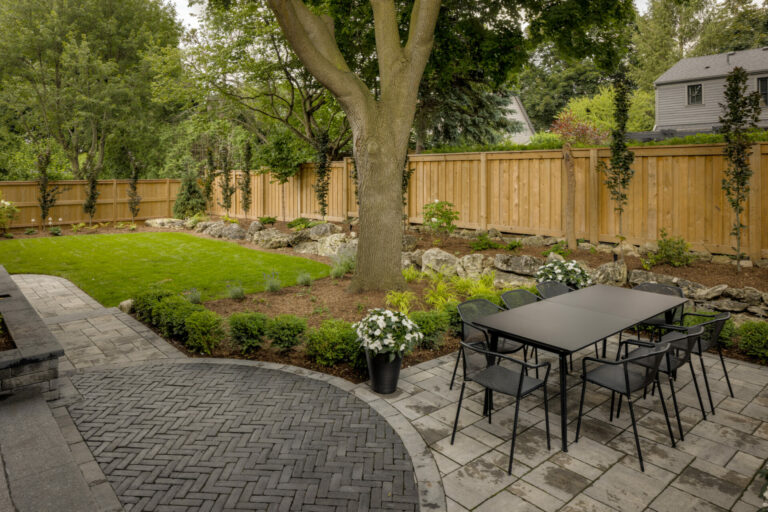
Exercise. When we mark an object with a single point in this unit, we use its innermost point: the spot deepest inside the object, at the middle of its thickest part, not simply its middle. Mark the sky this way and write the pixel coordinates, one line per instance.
(187, 13)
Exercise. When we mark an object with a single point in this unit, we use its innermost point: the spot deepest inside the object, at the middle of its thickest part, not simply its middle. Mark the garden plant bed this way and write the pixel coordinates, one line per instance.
(6, 343)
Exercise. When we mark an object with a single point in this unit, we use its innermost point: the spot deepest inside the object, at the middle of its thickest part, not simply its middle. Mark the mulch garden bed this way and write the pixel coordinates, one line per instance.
(6, 343)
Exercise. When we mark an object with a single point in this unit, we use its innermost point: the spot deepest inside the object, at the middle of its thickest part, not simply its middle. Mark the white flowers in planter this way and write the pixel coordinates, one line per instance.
(387, 332)
(567, 272)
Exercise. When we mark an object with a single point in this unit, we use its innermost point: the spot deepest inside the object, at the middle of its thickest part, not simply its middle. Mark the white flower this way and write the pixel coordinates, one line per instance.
(434, 219)
(59, 219)
(437, 201)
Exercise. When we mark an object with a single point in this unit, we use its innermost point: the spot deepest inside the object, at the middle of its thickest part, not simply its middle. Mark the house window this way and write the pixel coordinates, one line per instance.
(762, 87)
(694, 94)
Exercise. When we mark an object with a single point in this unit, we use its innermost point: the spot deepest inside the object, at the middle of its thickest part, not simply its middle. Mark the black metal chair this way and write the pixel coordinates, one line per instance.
(710, 338)
(659, 322)
(626, 376)
(472, 310)
(549, 289)
(516, 298)
(681, 346)
(483, 367)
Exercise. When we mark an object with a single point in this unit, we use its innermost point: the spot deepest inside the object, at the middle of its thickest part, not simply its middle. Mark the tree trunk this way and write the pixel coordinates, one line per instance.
(570, 176)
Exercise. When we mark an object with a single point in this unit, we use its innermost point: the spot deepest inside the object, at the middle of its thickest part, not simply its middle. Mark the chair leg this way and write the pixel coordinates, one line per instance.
(634, 428)
(674, 403)
(581, 408)
(618, 407)
(456, 366)
(536, 359)
(597, 351)
(698, 392)
(571, 362)
(706, 383)
(458, 410)
(514, 436)
(725, 370)
(546, 415)
(605, 346)
(613, 396)
(666, 413)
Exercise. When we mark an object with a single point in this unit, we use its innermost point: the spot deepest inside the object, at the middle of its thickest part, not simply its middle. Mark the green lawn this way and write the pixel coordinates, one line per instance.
(112, 268)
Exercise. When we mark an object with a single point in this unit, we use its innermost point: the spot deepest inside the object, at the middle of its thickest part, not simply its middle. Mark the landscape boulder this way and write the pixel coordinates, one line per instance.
(309, 247)
(215, 229)
(586, 246)
(627, 249)
(321, 230)
(330, 245)
(533, 241)
(522, 265)
(233, 232)
(750, 295)
(732, 306)
(412, 258)
(165, 223)
(643, 276)
(471, 266)
(126, 306)
(254, 228)
(710, 293)
(605, 248)
(202, 226)
(553, 256)
(613, 273)
(410, 242)
(510, 280)
(298, 237)
(440, 261)
(271, 238)
(721, 259)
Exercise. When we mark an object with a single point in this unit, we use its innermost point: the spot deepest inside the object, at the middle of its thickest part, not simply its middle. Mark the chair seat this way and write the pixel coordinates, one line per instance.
(612, 377)
(674, 362)
(504, 380)
(505, 346)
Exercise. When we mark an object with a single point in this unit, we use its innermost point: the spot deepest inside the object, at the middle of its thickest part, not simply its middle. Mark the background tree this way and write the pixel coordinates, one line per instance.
(731, 26)
(599, 109)
(280, 157)
(246, 192)
(189, 200)
(226, 185)
(619, 174)
(209, 178)
(91, 194)
(741, 112)
(323, 173)
(47, 193)
(134, 199)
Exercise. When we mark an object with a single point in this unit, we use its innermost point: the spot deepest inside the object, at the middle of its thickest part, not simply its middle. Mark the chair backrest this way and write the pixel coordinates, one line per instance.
(516, 298)
(712, 329)
(549, 289)
(665, 289)
(472, 310)
(682, 347)
(477, 357)
(648, 363)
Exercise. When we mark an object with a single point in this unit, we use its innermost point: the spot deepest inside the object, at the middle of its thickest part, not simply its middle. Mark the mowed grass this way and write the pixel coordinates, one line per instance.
(112, 268)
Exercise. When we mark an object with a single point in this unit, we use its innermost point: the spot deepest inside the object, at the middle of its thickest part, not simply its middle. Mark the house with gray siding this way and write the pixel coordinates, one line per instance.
(689, 94)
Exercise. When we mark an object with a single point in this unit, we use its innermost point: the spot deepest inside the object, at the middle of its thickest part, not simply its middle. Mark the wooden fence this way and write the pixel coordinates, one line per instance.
(677, 188)
(157, 198)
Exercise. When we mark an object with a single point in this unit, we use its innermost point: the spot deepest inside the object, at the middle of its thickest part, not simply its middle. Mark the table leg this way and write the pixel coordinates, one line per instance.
(563, 400)
(488, 405)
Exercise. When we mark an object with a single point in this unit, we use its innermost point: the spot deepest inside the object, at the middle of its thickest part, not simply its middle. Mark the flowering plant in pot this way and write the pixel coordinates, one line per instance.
(386, 335)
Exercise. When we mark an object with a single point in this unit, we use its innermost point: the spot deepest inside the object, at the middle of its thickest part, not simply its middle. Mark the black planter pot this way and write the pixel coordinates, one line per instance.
(383, 372)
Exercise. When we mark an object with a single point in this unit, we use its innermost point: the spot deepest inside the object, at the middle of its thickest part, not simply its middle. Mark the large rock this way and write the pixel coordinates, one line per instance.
(690, 288)
(533, 241)
(310, 247)
(271, 238)
(647, 248)
(202, 226)
(233, 232)
(759, 311)
(643, 276)
(165, 223)
(550, 240)
(412, 258)
(126, 306)
(331, 245)
(586, 246)
(612, 273)
(439, 261)
(522, 265)
(627, 249)
(605, 249)
(750, 295)
(410, 242)
(710, 293)
(721, 259)
(471, 265)
(215, 229)
(732, 306)
(765, 298)
(254, 228)
(509, 280)
(298, 237)
(321, 230)
(553, 256)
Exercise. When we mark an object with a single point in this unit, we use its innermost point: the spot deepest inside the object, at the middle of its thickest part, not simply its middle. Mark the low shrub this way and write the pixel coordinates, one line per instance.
(438, 293)
(194, 296)
(342, 265)
(145, 302)
(8, 235)
(753, 339)
(727, 334)
(169, 315)
(672, 251)
(299, 223)
(400, 301)
(560, 248)
(268, 221)
(286, 331)
(55, 231)
(411, 274)
(190, 198)
(451, 309)
(235, 292)
(227, 218)
(335, 341)
(483, 242)
(248, 330)
(304, 279)
(204, 331)
(440, 218)
(195, 220)
(433, 325)
(30, 231)
(77, 227)
(272, 282)
(513, 245)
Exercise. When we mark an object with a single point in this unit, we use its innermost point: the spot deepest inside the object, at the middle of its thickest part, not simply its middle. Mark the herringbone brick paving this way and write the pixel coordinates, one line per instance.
(227, 437)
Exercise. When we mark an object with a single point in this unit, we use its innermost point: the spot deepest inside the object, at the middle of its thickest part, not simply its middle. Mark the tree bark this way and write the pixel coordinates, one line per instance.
(570, 176)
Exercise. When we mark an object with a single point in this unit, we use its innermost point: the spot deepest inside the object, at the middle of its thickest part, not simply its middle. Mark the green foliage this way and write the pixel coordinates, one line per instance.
(267, 221)
(194, 296)
(197, 219)
(30, 231)
(560, 248)
(246, 191)
(134, 199)
(299, 223)
(566, 272)
(248, 330)
(741, 112)
(335, 341)
(235, 291)
(204, 331)
(401, 301)
(272, 282)
(733, 25)
(322, 171)
(280, 156)
(169, 316)
(575, 131)
(8, 235)
(411, 274)
(8, 212)
(672, 251)
(467, 287)
(753, 339)
(727, 334)
(304, 279)
(451, 310)
(598, 110)
(47, 194)
(145, 302)
(286, 331)
(190, 201)
(438, 293)
(440, 217)
(484, 243)
(77, 227)
(55, 231)
(433, 325)
(226, 185)
(228, 219)
(342, 264)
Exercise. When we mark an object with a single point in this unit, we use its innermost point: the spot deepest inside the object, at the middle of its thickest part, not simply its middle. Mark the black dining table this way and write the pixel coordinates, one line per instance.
(573, 321)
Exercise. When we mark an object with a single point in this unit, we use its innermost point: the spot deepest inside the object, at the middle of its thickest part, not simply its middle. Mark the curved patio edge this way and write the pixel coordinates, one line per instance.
(428, 480)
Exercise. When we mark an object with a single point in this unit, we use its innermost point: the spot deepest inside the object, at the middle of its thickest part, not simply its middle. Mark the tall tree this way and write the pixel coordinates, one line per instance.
(741, 112)
(381, 116)
(733, 25)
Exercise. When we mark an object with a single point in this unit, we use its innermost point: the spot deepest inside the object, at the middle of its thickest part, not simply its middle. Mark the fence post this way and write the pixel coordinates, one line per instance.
(755, 190)
(483, 191)
(345, 189)
(168, 195)
(114, 200)
(593, 206)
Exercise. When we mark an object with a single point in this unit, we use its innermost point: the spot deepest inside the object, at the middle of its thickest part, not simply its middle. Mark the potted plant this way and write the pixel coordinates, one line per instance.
(386, 335)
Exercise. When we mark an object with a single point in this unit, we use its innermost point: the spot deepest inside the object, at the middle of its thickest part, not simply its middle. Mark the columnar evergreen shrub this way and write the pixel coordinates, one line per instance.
(134, 199)
(47, 193)
(246, 192)
(190, 200)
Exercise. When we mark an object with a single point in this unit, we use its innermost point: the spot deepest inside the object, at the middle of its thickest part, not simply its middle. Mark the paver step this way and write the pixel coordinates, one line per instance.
(41, 471)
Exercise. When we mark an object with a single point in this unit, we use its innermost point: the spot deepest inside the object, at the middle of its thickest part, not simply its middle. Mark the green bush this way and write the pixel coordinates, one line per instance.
(433, 325)
(196, 219)
(304, 279)
(753, 339)
(727, 334)
(451, 309)
(299, 222)
(672, 251)
(272, 282)
(235, 292)
(248, 330)
(411, 274)
(190, 199)
(169, 315)
(342, 264)
(145, 302)
(194, 296)
(560, 248)
(55, 231)
(335, 341)
(204, 331)
(401, 301)
(483, 243)
(267, 221)
(286, 331)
